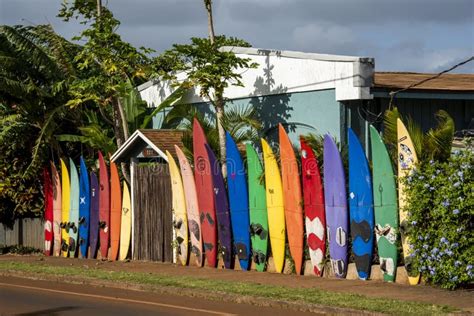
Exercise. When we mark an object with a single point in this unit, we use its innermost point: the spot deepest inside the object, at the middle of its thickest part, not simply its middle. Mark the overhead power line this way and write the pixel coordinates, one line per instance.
(394, 93)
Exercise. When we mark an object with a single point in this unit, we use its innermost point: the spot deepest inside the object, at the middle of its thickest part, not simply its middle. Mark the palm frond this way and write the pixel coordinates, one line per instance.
(172, 99)
(416, 135)
(45, 130)
(27, 49)
(62, 51)
(390, 137)
(134, 107)
(316, 142)
(439, 140)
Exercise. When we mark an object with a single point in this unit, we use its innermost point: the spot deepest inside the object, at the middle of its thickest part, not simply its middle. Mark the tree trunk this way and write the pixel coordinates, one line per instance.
(126, 133)
(99, 8)
(219, 106)
(119, 131)
(210, 21)
(219, 96)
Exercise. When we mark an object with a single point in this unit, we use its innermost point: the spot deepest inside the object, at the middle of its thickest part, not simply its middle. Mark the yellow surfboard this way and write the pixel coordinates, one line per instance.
(126, 224)
(275, 209)
(180, 221)
(406, 161)
(65, 205)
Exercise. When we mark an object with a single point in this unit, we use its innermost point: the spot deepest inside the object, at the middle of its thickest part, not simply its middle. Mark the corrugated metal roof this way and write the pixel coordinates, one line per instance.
(446, 82)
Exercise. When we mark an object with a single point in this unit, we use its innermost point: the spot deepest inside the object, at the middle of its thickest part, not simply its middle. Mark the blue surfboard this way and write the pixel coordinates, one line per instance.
(84, 209)
(361, 207)
(239, 205)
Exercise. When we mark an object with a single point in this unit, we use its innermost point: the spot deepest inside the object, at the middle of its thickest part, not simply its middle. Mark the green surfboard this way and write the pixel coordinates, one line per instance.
(257, 209)
(385, 206)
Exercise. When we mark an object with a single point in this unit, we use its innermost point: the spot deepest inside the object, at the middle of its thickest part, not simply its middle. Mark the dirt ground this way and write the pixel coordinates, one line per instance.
(463, 299)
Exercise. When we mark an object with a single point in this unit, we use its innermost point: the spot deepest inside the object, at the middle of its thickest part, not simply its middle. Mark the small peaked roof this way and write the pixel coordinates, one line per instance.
(160, 140)
(445, 82)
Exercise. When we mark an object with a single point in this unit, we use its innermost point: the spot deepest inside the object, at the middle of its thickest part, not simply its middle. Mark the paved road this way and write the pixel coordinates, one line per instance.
(32, 297)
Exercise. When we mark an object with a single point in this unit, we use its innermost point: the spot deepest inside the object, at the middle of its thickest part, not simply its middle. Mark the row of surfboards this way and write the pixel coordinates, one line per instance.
(85, 214)
(240, 219)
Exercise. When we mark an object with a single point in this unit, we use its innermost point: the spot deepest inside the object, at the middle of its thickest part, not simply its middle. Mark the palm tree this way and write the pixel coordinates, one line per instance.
(433, 145)
(37, 65)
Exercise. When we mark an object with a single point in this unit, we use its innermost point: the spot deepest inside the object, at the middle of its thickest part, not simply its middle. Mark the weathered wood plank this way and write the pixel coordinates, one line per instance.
(152, 217)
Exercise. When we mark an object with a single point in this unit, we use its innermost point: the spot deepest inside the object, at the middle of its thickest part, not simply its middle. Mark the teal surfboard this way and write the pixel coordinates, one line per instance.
(73, 210)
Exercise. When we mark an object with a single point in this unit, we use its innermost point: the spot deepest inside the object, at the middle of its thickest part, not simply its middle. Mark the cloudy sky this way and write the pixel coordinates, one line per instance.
(402, 35)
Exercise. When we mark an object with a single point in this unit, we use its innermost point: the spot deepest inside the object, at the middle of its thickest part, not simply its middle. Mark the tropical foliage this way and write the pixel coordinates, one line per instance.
(433, 145)
(54, 101)
(316, 142)
(208, 68)
(240, 122)
(36, 70)
(440, 198)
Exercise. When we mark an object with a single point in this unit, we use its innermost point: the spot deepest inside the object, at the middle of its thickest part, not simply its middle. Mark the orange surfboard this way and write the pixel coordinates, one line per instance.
(292, 198)
(115, 211)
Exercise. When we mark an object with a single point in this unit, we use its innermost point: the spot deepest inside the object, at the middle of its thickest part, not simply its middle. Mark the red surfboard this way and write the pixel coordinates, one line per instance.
(104, 207)
(313, 197)
(115, 211)
(48, 211)
(205, 193)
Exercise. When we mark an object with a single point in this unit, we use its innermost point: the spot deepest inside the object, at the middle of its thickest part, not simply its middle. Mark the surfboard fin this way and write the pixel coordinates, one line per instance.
(64, 246)
(241, 250)
(208, 246)
(209, 219)
(338, 267)
(72, 245)
(177, 224)
(194, 228)
(259, 257)
(362, 230)
(363, 263)
(73, 227)
(82, 220)
(257, 229)
(196, 251)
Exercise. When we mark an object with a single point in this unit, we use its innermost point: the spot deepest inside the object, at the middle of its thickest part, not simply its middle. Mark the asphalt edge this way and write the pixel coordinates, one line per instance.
(215, 296)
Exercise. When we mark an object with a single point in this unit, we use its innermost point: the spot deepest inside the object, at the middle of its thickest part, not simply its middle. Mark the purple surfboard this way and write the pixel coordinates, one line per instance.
(336, 207)
(94, 216)
(224, 231)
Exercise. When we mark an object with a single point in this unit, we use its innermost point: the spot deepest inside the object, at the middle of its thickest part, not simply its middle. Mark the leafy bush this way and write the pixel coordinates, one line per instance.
(440, 198)
(19, 249)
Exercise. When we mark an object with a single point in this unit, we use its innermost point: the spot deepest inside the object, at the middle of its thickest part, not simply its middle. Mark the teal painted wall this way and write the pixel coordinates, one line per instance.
(314, 111)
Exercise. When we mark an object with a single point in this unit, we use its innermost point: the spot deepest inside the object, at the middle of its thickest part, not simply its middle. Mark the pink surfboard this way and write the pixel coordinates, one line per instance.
(192, 207)
(56, 210)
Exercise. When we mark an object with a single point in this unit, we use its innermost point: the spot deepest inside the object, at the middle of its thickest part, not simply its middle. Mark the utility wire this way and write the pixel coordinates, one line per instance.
(393, 93)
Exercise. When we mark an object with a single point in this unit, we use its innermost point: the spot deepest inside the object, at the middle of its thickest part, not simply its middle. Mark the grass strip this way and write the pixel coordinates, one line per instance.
(303, 295)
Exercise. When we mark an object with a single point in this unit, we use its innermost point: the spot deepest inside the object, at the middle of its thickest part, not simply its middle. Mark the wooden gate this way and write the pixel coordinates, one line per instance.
(153, 231)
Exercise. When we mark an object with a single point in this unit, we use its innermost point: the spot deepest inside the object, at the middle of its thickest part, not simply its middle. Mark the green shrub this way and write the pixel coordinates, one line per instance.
(19, 250)
(440, 205)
